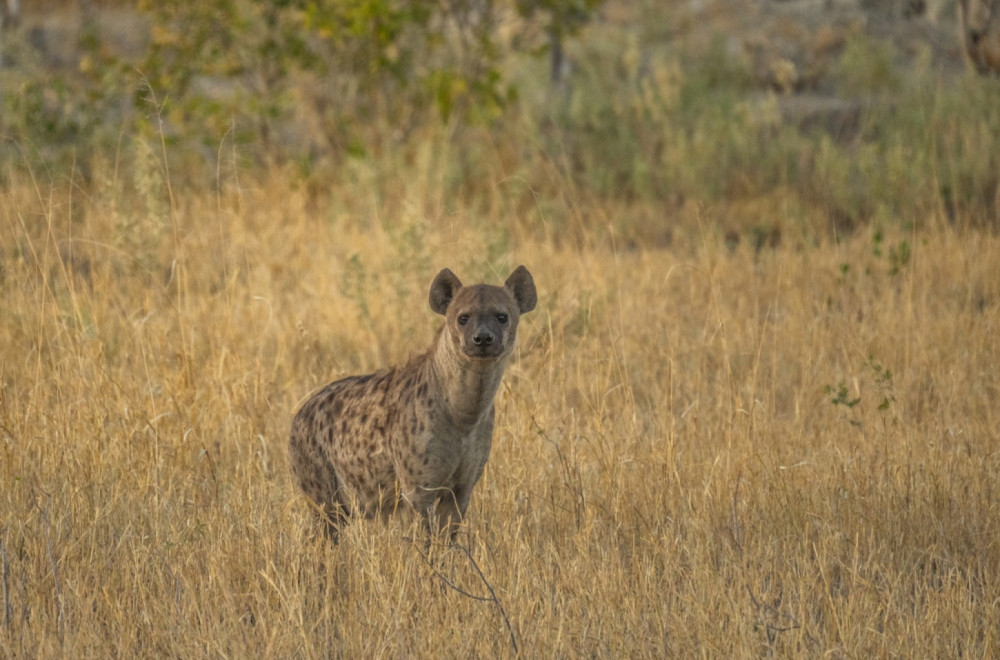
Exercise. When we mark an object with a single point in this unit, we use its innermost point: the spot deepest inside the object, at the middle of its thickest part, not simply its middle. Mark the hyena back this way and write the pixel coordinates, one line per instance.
(418, 433)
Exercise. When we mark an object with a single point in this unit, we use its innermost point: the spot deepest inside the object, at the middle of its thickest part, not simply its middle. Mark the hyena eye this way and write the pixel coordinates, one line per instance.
(502, 318)
(463, 319)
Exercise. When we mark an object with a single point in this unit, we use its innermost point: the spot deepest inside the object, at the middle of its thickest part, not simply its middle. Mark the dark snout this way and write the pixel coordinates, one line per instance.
(482, 341)
(483, 337)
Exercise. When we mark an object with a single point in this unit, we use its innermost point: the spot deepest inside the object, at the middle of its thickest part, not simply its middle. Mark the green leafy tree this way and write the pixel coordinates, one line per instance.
(562, 19)
(238, 61)
(285, 80)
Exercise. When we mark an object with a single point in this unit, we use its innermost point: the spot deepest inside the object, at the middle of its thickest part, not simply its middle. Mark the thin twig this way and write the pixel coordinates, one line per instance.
(734, 528)
(493, 595)
(52, 559)
(579, 503)
(771, 628)
(492, 598)
(7, 612)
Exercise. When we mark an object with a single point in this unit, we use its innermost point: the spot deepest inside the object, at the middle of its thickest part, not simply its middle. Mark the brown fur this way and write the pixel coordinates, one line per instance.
(980, 24)
(419, 433)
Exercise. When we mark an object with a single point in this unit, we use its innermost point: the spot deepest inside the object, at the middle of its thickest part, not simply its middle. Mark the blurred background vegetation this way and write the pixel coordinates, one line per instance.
(795, 120)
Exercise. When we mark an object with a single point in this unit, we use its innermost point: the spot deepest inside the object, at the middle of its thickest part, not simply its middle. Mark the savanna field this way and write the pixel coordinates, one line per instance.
(754, 413)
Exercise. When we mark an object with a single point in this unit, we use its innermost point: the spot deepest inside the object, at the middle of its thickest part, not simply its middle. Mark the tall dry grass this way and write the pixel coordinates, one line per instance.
(701, 450)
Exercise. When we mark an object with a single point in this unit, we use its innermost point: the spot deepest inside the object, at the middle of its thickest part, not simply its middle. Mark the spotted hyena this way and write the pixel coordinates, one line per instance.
(419, 433)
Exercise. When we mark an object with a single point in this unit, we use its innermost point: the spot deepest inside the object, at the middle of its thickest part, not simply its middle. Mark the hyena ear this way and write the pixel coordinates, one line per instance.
(443, 290)
(521, 286)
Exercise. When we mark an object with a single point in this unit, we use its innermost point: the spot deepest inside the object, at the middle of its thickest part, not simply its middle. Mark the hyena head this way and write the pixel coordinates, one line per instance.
(481, 320)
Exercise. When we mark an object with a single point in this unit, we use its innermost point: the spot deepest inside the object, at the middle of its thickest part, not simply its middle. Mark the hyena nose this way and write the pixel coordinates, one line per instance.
(482, 338)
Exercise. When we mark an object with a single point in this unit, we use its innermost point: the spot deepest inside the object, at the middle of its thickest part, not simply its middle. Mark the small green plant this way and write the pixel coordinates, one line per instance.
(899, 257)
(356, 284)
(883, 381)
(885, 390)
(845, 269)
(841, 396)
(877, 239)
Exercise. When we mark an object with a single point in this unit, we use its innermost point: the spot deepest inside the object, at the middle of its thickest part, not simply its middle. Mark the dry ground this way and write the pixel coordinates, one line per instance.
(701, 451)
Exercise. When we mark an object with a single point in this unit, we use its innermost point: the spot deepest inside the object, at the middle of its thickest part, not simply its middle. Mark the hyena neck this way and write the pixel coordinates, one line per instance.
(468, 386)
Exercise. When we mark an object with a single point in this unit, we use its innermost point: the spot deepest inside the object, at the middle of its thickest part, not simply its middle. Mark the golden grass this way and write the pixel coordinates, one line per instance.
(670, 474)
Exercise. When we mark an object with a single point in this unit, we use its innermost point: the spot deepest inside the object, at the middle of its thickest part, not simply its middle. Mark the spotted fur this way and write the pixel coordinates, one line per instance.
(417, 434)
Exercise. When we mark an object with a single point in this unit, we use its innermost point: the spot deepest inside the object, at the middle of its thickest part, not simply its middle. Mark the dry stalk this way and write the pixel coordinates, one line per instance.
(491, 598)
(569, 472)
(52, 560)
(7, 613)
